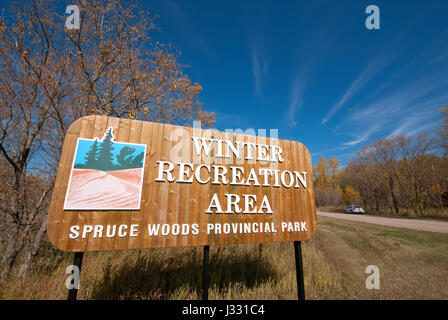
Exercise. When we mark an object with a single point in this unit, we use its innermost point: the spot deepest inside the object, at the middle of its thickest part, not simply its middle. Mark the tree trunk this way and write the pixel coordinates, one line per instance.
(33, 249)
(377, 203)
(439, 193)
(394, 198)
(418, 199)
(10, 252)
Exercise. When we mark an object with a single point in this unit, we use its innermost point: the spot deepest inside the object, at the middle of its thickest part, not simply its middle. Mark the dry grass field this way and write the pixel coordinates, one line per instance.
(413, 265)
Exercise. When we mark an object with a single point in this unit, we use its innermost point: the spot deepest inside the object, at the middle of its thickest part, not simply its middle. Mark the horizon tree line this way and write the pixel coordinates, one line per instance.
(400, 175)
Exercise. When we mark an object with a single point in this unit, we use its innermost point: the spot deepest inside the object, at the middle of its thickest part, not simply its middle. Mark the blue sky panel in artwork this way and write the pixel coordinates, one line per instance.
(85, 144)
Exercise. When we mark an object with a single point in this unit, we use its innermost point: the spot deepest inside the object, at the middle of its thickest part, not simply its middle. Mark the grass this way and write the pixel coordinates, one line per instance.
(414, 238)
(331, 209)
(413, 265)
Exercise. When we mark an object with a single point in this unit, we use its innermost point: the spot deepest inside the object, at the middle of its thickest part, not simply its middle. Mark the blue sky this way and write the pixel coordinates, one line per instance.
(311, 69)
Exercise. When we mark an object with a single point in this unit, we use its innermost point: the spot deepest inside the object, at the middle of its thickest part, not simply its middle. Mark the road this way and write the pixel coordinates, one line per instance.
(424, 225)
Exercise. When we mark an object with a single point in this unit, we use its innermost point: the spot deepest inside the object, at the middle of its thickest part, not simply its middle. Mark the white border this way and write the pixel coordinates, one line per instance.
(105, 209)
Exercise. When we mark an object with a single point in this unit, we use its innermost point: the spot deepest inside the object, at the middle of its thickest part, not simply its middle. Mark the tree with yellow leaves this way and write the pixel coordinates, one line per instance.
(350, 195)
(326, 172)
(50, 77)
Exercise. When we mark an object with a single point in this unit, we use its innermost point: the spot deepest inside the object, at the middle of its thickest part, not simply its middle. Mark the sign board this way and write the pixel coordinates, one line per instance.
(127, 184)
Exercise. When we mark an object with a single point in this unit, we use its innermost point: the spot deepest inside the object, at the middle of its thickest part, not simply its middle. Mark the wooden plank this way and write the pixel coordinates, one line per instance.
(297, 213)
(204, 200)
(111, 218)
(96, 217)
(159, 189)
(213, 238)
(280, 212)
(233, 218)
(134, 217)
(172, 193)
(223, 189)
(259, 192)
(308, 199)
(56, 225)
(273, 198)
(142, 217)
(244, 237)
(81, 218)
(155, 148)
(184, 188)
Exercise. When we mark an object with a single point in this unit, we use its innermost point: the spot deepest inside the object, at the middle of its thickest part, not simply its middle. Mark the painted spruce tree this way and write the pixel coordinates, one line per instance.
(124, 158)
(92, 156)
(127, 160)
(105, 156)
(137, 162)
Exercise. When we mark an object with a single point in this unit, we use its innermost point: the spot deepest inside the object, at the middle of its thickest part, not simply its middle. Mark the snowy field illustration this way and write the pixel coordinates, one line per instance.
(106, 175)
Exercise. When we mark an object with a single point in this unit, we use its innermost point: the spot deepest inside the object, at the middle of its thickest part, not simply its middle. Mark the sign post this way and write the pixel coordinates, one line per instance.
(299, 270)
(128, 184)
(77, 261)
(205, 276)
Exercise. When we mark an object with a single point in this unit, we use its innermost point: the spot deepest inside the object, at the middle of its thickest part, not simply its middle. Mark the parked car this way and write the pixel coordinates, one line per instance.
(354, 209)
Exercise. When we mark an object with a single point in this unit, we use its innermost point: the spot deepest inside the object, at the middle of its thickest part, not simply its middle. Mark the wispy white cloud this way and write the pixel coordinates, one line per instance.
(311, 49)
(295, 105)
(417, 121)
(256, 38)
(363, 136)
(372, 69)
(422, 128)
(407, 110)
(259, 68)
(397, 101)
(411, 127)
(295, 101)
(296, 94)
(303, 73)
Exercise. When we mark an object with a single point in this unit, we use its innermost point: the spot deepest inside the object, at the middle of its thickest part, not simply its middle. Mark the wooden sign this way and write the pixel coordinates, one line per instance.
(126, 184)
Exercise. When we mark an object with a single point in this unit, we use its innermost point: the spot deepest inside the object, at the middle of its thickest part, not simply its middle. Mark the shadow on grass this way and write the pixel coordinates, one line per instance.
(180, 276)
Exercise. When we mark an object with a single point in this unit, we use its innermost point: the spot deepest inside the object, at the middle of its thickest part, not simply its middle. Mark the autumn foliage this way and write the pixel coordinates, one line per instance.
(51, 76)
(400, 175)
